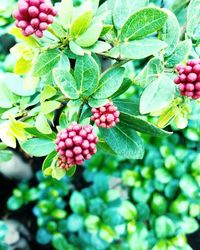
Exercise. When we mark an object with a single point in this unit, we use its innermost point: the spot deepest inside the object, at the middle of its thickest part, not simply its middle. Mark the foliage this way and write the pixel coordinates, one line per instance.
(148, 204)
(59, 77)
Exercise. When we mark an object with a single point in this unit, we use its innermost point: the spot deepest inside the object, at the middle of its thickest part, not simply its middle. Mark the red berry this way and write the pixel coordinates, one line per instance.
(43, 26)
(43, 17)
(106, 116)
(196, 68)
(73, 147)
(192, 77)
(36, 13)
(197, 86)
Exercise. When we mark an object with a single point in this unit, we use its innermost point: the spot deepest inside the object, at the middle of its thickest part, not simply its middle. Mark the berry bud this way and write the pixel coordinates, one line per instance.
(106, 116)
(75, 144)
(35, 15)
(188, 79)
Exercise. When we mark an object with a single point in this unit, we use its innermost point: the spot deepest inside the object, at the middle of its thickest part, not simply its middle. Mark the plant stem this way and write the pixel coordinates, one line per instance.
(80, 112)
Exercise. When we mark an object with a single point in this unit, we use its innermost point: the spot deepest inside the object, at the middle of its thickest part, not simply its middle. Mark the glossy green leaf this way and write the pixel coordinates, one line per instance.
(170, 33)
(77, 202)
(139, 49)
(38, 147)
(46, 62)
(109, 83)
(76, 49)
(81, 24)
(66, 83)
(159, 93)
(42, 124)
(86, 75)
(121, 135)
(65, 13)
(164, 227)
(142, 23)
(150, 72)
(180, 54)
(124, 8)
(49, 106)
(90, 36)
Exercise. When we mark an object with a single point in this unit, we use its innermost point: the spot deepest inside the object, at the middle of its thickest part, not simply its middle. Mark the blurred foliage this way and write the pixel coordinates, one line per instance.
(148, 204)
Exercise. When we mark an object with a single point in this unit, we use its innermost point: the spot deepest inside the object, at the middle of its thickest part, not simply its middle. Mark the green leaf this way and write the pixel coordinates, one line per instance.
(97, 103)
(143, 23)
(124, 8)
(188, 185)
(158, 93)
(48, 92)
(74, 222)
(100, 47)
(66, 83)
(15, 84)
(64, 62)
(46, 61)
(14, 203)
(86, 75)
(193, 9)
(150, 72)
(76, 49)
(138, 123)
(127, 105)
(105, 148)
(33, 131)
(65, 13)
(58, 214)
(107, 233)
(49, 106)
(123, 88)
(164, 227)
(59, 242)
(180, 54)
(128, 210)
(170, 33)
(5, 155)
(109, 83)
(188, 225)
(81, 24)
(77, 203)
(5, 95)
(42, 124)
(120, 135)
(90, 36)
(141, 48)
(71, 171)
(48, 160)
(29, 40)
(38, 147)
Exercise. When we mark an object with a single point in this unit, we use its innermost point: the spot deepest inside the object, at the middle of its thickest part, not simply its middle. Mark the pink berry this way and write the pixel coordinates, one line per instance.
(196, 69)
(192, 77)
(35, 3)
(33, 11)
(189, 87)
(29, 30)
(50, 19)
(35, 22)
(106, 116)
(183, 78)
(43, 17)
(197, 86)
(39, 33)
(74, 149)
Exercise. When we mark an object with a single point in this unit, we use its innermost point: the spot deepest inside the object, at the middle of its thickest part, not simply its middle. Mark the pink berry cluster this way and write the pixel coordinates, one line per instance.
(188, 79)
(106, 116)
(34, 16)
(75, 144)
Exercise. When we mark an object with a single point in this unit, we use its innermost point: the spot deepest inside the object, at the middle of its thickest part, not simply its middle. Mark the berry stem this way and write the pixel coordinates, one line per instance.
(51, 30)
(80, 112)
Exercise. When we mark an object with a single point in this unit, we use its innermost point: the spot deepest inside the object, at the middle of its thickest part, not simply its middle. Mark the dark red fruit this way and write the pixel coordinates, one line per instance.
(106, 116)
(188, 79)
(75, 144)
(34, 16)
